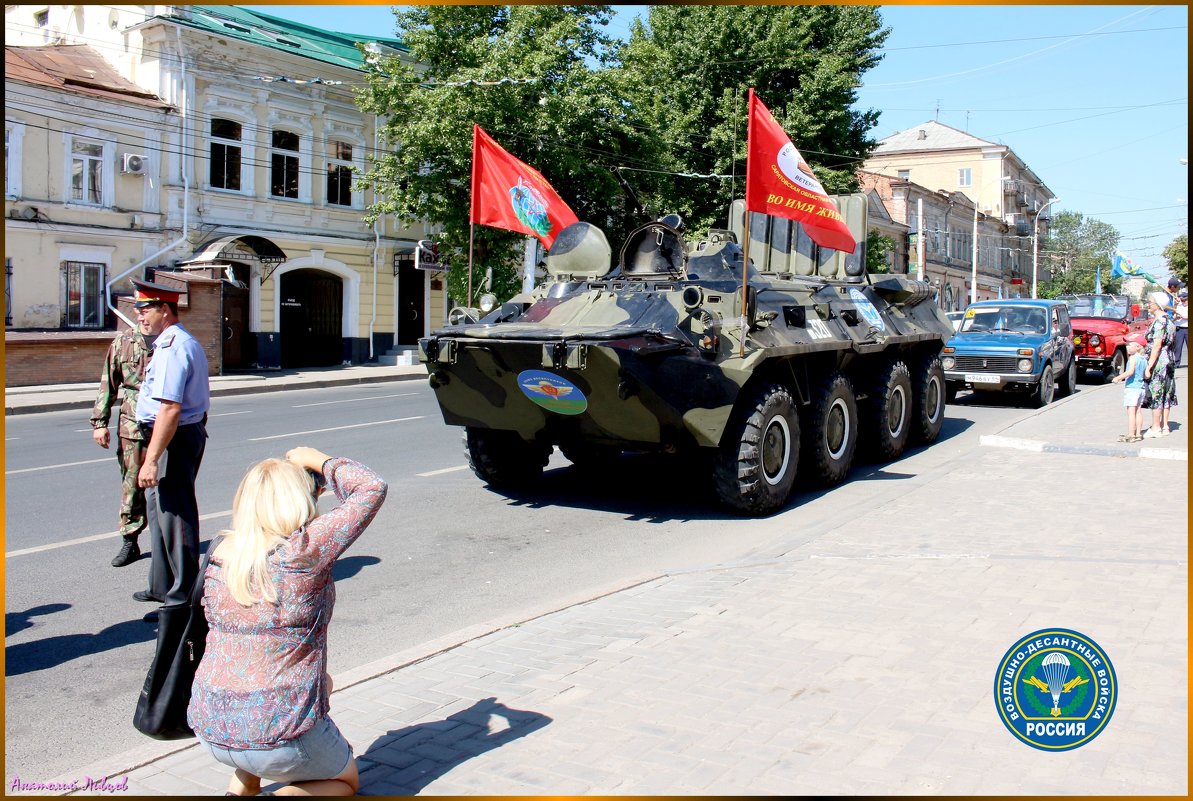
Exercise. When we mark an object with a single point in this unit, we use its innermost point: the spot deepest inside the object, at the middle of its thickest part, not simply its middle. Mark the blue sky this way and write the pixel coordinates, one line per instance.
(1093, 98)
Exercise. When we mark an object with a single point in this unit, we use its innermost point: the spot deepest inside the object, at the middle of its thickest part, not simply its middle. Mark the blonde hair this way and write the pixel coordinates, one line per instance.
(275, 498)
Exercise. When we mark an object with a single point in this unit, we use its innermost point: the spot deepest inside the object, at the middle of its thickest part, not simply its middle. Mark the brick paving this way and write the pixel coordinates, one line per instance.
(860, 662)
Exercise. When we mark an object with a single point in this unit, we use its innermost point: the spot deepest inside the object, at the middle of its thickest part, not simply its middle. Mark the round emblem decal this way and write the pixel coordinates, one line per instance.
(866, 309)
(1055, 689)
(552, 392)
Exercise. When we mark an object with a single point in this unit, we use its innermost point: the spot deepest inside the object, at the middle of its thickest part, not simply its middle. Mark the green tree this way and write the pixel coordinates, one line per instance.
(534, 78)
(1078, 247)
(877, 246)
(687, 70)
(1177, 256)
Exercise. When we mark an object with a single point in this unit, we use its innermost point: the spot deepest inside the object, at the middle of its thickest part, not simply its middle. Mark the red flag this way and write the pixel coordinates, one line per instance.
(509, 194)
(780, 182)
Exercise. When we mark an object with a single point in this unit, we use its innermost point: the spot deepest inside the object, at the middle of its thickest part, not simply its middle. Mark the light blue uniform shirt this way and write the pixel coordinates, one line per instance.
(177, 372)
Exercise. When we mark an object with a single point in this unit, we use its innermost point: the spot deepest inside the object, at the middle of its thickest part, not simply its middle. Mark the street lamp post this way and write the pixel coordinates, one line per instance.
(1035, 247)
(973, 277)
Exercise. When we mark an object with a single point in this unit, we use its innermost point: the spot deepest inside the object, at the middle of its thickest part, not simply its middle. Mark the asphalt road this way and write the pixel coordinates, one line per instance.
(444, 554)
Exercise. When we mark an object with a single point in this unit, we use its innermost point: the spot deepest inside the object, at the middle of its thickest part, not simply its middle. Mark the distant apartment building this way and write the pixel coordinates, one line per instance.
(963, 178)
(207, 143)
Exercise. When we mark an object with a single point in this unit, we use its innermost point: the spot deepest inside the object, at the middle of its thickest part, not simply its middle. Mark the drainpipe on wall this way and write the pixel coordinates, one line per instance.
(186, 189)
(376, 245)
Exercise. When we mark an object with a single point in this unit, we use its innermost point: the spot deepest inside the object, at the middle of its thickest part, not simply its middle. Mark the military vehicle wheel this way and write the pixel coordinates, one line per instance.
(830, 432)
(1046, 389)
(1068, 382)
(756, 463)
(928, 394)
(886, 421)
(503, 459)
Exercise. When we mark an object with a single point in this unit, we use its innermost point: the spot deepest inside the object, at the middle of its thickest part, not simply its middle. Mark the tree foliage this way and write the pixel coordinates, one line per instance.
(1078, 247)
(560, 114)
(688, 68)
(580, 105)
(1176, 254)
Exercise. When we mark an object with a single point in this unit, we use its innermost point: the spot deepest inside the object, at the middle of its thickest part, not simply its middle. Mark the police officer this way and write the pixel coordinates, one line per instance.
(172, 411)
(124, 367)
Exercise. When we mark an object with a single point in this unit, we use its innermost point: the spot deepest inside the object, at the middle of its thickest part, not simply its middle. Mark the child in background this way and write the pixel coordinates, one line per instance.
(1133, 390)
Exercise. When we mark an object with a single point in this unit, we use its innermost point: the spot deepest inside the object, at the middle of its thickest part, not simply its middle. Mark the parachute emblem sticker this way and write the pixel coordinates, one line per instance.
(1055, 689)
(552, 392)
(866, 309)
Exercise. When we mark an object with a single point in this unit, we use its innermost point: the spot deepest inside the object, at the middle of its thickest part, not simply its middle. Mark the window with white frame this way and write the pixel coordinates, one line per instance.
(87, 171)
(14, 135)
(965, 177)
(283, 176)
(82, 294)
(904, 175)
(339, 174)
(226, 154)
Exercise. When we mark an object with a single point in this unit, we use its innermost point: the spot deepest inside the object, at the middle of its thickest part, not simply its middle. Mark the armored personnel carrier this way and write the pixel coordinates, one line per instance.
(661, 351)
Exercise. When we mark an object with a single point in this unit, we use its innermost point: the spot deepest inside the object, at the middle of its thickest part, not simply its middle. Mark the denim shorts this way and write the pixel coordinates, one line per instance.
(320, 753)
(1132, 397)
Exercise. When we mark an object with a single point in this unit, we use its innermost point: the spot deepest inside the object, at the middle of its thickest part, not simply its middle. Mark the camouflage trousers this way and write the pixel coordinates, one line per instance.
(130, 453)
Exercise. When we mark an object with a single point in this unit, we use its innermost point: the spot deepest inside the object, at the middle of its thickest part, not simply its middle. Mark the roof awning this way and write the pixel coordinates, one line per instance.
(238, 248)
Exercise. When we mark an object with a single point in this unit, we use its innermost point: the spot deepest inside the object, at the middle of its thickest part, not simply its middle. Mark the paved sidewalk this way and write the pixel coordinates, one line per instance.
(859, 662)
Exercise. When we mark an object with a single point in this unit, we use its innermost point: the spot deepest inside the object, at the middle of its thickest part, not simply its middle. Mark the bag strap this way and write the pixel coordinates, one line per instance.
(197, 590)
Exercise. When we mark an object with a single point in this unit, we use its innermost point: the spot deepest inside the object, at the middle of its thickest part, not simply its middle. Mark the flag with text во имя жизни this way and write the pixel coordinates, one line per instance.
(509, 194)
(780, 182)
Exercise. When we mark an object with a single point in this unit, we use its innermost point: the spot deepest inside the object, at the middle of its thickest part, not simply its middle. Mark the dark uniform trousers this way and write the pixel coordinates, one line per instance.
(173, 514)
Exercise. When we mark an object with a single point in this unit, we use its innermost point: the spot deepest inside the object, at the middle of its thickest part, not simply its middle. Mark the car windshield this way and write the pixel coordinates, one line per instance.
(1106, 306)
(1017, 319)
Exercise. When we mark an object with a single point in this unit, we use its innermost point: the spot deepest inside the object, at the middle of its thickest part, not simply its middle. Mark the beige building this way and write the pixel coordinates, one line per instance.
(234, 162)
(984, 180)
(940, 247)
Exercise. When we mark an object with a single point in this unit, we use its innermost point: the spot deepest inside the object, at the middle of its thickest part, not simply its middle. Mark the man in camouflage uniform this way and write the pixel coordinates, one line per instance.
(124, 367)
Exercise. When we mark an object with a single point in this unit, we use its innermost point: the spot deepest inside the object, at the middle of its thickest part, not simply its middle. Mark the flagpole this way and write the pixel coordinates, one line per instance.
(745, 275)
(471, 232)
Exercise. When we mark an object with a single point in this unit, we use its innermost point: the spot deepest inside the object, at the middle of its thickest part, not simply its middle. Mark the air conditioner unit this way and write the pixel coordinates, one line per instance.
(133, 164)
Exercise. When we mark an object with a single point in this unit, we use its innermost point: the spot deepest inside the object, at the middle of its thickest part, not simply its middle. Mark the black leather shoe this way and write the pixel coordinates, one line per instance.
(129, 553)
(146, 595)
(150, 617)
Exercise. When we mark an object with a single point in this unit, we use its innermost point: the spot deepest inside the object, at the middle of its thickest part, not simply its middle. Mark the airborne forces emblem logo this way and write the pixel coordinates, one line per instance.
(1055, 689)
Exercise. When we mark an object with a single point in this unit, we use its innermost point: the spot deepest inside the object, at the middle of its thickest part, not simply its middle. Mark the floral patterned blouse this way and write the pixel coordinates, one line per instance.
(261, 679)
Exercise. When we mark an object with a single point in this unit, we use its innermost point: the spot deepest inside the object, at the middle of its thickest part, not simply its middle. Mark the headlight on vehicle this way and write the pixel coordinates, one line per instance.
(1095, 340)
(1025, 365)
(948, 362)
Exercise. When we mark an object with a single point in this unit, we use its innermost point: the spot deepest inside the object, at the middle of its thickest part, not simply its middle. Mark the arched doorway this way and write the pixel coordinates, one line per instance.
(311, 319)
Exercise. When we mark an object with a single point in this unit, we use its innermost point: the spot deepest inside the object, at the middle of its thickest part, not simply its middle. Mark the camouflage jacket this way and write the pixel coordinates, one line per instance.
(124, 367)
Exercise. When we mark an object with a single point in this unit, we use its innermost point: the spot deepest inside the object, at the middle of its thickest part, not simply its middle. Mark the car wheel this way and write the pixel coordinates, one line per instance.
(756, 463)
(1116, 366)
(1081, 373)
(951, 388)
(1045, 389)
(928, 397)
(830, 432)
(502, 459)
(1068, 382)
(886, 419)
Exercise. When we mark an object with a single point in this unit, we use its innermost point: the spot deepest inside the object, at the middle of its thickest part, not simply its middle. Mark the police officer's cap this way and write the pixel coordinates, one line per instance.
(147, 294)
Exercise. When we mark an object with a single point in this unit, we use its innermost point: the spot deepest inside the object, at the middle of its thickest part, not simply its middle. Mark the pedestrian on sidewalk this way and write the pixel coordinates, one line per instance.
(124, 367)
(172, 412)
(1159, 393)
(260, 700)
(1132, 377)
(1180, 318)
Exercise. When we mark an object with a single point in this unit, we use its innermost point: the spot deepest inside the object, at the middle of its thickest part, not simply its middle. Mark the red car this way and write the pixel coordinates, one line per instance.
(1101, 325)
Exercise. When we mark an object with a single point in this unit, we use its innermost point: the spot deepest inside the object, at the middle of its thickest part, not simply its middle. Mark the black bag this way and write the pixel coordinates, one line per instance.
(181, 640)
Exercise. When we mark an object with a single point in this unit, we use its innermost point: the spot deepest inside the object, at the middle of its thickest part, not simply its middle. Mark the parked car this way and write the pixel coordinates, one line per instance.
(1012, 346)
(1101, 326)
